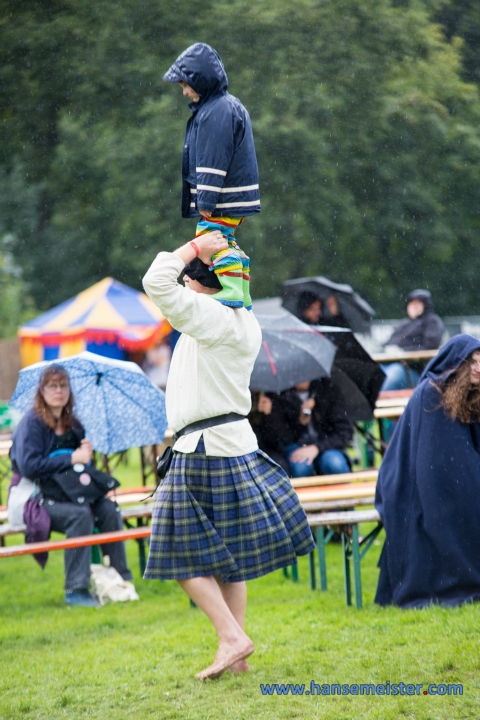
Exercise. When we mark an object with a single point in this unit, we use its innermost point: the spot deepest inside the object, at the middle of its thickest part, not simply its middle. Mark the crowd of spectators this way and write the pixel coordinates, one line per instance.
(306, 430)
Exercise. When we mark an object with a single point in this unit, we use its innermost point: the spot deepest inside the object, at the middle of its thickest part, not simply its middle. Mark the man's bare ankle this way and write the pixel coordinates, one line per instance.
(234, 638)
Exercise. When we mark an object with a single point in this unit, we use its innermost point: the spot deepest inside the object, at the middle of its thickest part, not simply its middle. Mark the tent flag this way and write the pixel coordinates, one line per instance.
(108, 318)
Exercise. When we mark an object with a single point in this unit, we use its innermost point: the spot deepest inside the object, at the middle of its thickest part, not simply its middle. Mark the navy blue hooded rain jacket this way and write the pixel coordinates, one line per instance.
(428, 496)
(219, 168)
(423, 333)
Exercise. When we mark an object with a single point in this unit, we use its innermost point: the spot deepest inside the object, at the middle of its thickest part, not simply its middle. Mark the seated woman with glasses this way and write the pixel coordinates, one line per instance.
(48, 440)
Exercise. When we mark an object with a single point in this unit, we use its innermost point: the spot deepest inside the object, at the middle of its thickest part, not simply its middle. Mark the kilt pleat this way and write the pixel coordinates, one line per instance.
(237, 517)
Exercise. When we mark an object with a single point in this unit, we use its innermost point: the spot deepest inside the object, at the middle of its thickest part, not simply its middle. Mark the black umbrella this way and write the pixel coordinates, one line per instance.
(359, 377)
(355, 311)
(291, 352)
(354, 371)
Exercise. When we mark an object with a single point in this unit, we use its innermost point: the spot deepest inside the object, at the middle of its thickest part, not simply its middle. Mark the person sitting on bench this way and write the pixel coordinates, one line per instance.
(273, 422)
(50, 439)
(309, 426)
(420, 330)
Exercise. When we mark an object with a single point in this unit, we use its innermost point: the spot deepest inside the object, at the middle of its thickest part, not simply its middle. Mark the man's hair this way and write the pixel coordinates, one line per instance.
(460, 398)
(197, 270)
(54, 372)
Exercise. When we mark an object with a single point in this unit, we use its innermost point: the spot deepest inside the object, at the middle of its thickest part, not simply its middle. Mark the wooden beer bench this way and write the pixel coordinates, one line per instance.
(339, 496)
(388, 413)
(354, 548)
(122, 496)
(69, 543)
(341, 478)
(404, 356)
(141, 513)
(344, 522)
(336, 493)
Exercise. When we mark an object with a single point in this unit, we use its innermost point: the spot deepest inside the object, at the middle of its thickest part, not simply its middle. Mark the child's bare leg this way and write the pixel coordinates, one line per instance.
(234, 645)
(235, 595)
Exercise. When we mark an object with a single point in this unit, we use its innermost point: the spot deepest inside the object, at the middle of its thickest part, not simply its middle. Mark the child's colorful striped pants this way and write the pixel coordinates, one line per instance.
(231, 266)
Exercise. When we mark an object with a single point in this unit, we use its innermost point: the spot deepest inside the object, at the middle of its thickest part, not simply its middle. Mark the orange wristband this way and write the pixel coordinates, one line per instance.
(195, 247)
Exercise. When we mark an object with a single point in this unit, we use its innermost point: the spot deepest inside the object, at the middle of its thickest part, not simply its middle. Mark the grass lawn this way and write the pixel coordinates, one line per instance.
(138, 660)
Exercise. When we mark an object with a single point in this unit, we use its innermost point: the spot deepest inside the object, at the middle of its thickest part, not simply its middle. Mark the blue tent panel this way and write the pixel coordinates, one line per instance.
(51, 353)
(109, 350)
(126, 302)
(42, 320)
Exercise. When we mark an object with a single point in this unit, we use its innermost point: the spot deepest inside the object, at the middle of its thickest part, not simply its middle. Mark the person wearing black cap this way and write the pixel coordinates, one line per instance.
(421, 330)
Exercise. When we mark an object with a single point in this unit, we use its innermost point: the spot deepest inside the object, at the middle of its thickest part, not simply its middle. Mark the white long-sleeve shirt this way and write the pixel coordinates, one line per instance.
(211, 364)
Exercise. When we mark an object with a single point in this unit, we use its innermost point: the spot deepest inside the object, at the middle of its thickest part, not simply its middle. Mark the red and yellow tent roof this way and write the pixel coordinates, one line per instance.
(107, 314)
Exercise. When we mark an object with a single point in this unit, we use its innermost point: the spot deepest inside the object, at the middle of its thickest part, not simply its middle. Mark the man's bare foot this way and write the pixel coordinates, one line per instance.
(241, 666)
(227, 655)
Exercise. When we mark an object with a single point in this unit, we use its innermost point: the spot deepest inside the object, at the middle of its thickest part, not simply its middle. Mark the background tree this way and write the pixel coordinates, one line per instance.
(461, 19)
(367, 137)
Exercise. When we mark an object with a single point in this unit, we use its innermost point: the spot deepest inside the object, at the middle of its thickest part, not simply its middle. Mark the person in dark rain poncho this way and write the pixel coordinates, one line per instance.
(428, 490)
(219, 166)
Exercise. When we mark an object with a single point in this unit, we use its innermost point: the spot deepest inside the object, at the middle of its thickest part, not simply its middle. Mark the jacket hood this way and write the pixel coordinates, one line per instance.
(201, 67)
(424, 296)
(450, 357)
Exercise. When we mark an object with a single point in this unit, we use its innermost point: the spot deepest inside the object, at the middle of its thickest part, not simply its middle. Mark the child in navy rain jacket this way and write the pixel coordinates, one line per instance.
(219, 167)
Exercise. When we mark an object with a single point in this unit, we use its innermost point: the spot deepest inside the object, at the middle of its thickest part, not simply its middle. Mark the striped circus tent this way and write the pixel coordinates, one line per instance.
(109, 318)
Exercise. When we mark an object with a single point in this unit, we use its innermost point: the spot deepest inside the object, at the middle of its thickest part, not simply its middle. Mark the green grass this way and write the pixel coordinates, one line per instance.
(136, 661)
(128, 471)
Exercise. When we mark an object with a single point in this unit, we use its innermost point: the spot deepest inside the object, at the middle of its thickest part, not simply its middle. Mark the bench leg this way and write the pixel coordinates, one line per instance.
(294, 571)
(368, 541)
(323, 538)
(142, 561)
(363, 445)
(96, 557)
(141, 556)
(322, 565)
(346, 567)
(311, 564)
(356, 567)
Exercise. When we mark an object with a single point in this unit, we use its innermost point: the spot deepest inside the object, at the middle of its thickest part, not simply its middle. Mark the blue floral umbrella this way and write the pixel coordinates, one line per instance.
(117, 404)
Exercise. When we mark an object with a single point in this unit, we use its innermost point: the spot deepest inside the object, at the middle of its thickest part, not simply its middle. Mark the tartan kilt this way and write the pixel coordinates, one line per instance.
(237, 517)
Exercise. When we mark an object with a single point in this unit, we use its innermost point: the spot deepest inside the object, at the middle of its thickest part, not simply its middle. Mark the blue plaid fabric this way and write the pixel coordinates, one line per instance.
(237, 517)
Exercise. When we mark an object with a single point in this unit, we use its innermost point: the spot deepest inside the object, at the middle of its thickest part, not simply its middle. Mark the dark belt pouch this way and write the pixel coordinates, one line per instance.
(165, 460)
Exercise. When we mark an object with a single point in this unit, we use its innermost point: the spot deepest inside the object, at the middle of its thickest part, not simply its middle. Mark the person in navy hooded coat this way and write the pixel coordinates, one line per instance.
(428, 490)
(219, 166)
